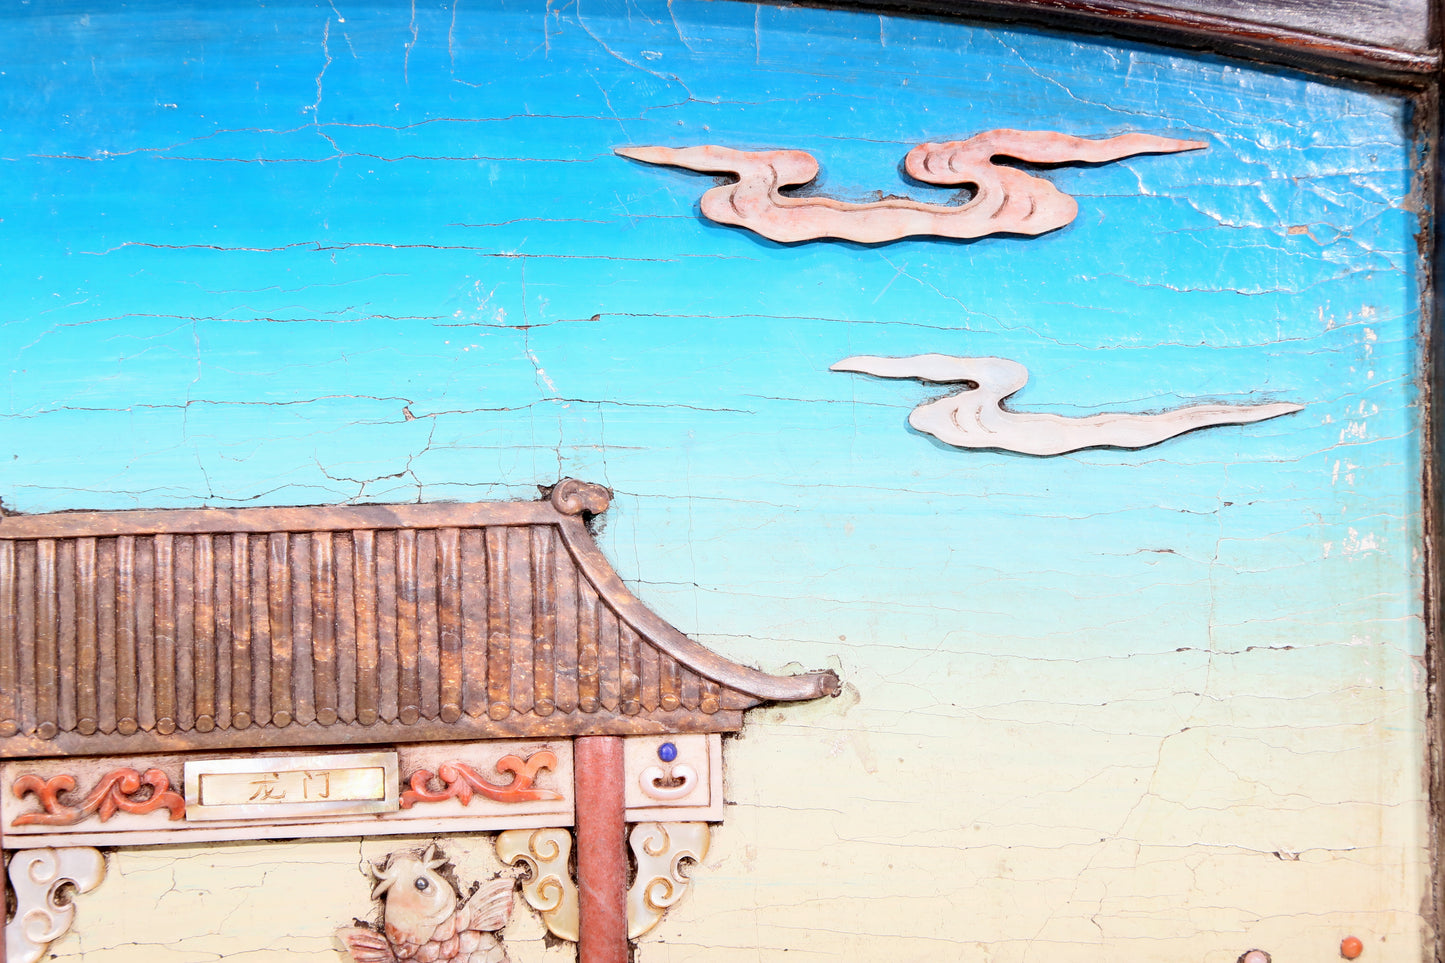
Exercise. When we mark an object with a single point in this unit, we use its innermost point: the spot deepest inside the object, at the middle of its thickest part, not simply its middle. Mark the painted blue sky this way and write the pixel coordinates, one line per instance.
(301, 253)
(305, 252)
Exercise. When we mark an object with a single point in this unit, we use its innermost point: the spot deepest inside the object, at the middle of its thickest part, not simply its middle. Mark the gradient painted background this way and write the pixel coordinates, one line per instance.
(1160, 705)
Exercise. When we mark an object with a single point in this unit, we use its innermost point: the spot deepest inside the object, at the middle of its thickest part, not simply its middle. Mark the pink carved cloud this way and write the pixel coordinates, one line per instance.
(1005, 201)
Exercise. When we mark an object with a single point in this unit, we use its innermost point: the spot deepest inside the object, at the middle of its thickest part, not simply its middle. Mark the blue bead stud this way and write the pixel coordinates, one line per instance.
(667, 752)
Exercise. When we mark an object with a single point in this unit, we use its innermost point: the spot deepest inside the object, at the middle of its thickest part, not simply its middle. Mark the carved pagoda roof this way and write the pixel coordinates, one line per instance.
(145, 631)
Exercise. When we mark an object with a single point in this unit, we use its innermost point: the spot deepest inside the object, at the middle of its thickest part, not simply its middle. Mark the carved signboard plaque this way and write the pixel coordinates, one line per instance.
(287, 786)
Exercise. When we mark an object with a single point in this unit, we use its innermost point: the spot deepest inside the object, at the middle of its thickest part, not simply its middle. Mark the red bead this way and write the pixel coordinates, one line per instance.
(1351, 947)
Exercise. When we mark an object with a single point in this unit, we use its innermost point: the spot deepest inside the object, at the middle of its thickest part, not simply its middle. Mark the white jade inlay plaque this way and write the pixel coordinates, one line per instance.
(279, 787)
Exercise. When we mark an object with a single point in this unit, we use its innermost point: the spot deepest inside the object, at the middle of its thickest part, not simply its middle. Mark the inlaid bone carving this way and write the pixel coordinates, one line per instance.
(660, 849)
(461, 781)
(654, 781)
(975, 417)
(1005, 201)
(425, 918)
(122, 790)
(550, 889)
(44, 910)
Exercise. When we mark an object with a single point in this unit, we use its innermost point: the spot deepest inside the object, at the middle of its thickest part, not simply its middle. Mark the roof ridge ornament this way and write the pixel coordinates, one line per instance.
(572, 497)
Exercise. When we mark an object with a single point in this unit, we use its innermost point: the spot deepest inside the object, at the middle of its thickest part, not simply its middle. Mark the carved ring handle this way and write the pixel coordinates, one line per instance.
(653, 775)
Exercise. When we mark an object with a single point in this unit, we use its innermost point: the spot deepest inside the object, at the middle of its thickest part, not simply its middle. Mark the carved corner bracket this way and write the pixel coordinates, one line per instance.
(660, 849)
(550, 889)
(44, 906)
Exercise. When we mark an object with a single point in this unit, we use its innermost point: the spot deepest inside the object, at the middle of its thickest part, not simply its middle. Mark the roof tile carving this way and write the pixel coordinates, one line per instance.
(244, 628)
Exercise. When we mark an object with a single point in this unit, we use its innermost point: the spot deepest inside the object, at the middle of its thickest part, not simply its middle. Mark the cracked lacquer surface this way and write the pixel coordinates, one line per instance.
(1159, 705)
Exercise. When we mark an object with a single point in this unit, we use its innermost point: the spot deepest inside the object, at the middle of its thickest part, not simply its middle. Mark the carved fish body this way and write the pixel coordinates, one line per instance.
(425, 921)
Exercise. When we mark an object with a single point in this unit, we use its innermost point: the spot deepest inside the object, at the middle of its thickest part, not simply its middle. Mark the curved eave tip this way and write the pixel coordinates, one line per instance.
(819, 684)
(788, 688)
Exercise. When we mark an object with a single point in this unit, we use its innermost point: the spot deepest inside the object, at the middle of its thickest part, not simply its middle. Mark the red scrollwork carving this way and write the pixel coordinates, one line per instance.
(114, 793)
(461, 782)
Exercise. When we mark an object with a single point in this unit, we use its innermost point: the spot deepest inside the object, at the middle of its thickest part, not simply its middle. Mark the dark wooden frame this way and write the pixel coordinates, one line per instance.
(1344, 45)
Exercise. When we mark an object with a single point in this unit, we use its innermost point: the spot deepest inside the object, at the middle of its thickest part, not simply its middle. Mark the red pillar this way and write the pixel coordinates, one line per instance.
(601, 850)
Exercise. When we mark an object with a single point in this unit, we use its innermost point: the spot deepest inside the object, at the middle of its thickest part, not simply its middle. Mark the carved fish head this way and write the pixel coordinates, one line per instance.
(417, 898)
